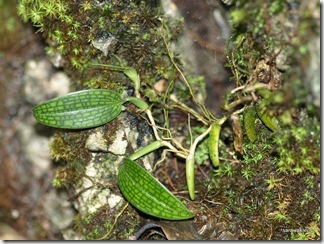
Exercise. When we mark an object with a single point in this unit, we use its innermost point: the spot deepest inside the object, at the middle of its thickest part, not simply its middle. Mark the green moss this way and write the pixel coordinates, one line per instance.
(94, 32)
(68, 149)
(268, 197)
(95, 226)
(251, 184)
(92, 226)
(298, 147)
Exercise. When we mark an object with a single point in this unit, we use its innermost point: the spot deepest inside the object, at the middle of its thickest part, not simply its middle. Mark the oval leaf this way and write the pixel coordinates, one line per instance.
(147, 194)
(79, 110)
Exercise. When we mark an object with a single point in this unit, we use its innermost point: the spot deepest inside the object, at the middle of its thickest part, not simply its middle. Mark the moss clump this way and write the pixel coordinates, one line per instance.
(298, 148)
(261, 52)
(257, 193)
(93, 226)
(274, 185)
(108, 32)
(96, 226)
(68, 149)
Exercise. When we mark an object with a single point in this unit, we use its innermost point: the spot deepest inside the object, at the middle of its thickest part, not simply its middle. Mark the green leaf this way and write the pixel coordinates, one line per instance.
(132, 74)
(79, 110)
(249, 124)
(137, 102)
(145, 150)
(147, 194)
(213, 143)
(270, 121)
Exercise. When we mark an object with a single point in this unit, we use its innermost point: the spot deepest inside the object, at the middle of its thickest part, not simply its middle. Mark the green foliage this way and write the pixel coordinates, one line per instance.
(91, 31)
(238, 15)
(90, 108)
(197, 84)
(277, 6)
(202, 154)
(273, 183)
(148, 195)
(37, 11)
(79, 110)
(83, 109)
(268, 120)
(93, 225)
(299, 147)
(249, 118)
(247, 173)
(224, 170)
(311, 232)
(213, 144)
(255, 152)
(136, 36)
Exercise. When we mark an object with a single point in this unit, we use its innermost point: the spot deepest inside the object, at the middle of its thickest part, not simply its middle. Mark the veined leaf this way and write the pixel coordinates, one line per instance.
(147, 194)
(79, 110)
